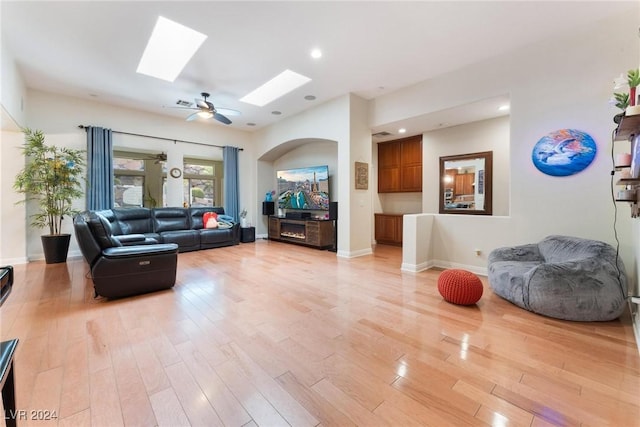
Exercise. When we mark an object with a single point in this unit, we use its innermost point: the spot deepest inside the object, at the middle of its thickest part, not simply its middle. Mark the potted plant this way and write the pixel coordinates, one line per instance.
(622, 102)
(52, 179)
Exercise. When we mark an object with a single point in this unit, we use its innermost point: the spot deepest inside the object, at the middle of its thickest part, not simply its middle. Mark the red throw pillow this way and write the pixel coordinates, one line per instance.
(207, 216)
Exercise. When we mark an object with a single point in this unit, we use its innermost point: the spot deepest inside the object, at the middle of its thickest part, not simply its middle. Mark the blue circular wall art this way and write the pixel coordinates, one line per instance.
(564, 152)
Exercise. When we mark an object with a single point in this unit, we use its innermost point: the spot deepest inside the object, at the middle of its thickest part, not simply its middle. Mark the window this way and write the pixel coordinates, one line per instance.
(137, 179)
(199, 180)
(128, 181)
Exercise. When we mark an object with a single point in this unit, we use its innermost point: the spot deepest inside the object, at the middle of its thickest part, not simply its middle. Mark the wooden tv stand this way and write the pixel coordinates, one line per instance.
(318, 233)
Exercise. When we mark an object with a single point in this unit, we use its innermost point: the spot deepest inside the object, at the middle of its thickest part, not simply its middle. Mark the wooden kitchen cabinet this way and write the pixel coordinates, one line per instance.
(464, 184)
(388, 167)
(388, 229)
(400, 165)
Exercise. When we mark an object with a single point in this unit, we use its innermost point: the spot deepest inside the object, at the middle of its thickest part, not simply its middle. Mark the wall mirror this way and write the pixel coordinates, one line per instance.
(466, 184)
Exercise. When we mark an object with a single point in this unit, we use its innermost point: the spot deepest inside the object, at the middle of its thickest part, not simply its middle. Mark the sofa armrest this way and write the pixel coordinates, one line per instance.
(139, 250)
(131, 239)
(528, 252)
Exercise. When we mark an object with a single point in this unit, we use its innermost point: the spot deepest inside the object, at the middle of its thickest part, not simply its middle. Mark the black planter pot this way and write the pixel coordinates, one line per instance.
(618, 118)
(55, 247)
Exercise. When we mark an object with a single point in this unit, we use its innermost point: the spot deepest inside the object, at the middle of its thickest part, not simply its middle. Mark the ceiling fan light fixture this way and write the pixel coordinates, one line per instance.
(168, 50)
(205, 114)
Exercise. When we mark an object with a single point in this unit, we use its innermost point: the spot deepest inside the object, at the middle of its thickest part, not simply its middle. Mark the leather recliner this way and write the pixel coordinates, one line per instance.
(119, 271)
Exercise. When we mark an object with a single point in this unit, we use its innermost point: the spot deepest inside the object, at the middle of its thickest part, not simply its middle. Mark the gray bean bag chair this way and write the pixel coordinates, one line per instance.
(563, 277)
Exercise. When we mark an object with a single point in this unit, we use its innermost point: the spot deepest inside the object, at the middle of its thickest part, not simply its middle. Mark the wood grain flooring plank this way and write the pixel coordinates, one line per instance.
(194, 402)
(150, 368)
(358, 414)
(321, 409)
(494, 410)
(105, 404)
(284, 403)
(45, 399)
(79, 419)
(261, 411)
(220, 397)
(132, 393)
(75, 395)
(167, 409)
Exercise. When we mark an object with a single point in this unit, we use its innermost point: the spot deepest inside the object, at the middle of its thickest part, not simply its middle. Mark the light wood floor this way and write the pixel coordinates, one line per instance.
(273, 334)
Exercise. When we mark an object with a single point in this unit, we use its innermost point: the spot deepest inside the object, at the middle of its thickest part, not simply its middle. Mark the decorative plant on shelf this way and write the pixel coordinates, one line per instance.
(622, 100)
(51, 178)
(633, 79)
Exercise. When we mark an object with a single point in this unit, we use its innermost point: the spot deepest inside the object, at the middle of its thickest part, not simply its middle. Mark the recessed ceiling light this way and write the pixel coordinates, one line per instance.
(278, 86)
(276, 113)
(316, 53)
(503, 108)
(310, 97)
(251, 124)
(168, 50)
(402, 130)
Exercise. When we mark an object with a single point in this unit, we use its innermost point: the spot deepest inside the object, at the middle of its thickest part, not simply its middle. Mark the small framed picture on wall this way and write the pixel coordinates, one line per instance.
(362, 176)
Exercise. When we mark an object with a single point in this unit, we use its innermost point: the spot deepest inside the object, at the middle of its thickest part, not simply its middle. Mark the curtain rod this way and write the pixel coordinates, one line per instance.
(161, 138)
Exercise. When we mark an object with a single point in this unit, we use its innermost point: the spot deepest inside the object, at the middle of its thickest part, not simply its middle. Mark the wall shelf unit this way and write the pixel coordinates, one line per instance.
(627, 130)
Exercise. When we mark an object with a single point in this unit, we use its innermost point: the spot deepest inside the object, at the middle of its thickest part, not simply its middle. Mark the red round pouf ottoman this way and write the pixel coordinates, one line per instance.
(459, 287)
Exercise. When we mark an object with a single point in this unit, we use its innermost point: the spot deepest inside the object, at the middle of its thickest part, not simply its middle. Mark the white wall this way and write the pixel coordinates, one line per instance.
(13, 226)
(564, 82)
(12, 91)
(486, 135)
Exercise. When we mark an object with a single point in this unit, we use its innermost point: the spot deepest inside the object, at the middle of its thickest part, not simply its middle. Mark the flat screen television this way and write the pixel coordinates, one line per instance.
(304, 188)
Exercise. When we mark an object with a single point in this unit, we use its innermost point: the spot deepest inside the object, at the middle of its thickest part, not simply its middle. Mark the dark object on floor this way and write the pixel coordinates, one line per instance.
(7, 350)
(563, 277)
(119, 271)
(6, 282)
(247, 234)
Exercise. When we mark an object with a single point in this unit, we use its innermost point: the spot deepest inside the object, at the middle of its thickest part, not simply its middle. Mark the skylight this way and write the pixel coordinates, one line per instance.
(278, 86)
(168, 50)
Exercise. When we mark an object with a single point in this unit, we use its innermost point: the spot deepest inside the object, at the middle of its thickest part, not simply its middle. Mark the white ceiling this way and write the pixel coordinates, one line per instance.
(91, 49)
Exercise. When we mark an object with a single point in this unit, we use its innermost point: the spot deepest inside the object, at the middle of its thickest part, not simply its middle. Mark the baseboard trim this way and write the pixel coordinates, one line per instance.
(14, 261)
(354, 254)
(472, 268)
(416, 268)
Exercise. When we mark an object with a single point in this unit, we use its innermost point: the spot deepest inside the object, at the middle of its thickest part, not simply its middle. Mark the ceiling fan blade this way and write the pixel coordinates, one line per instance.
(228, 111)
(192, 117)
(219, 117)
(180, 108)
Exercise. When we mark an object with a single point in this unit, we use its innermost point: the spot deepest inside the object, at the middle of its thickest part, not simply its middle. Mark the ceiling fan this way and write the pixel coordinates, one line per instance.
(206, 110)
(159, 157)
